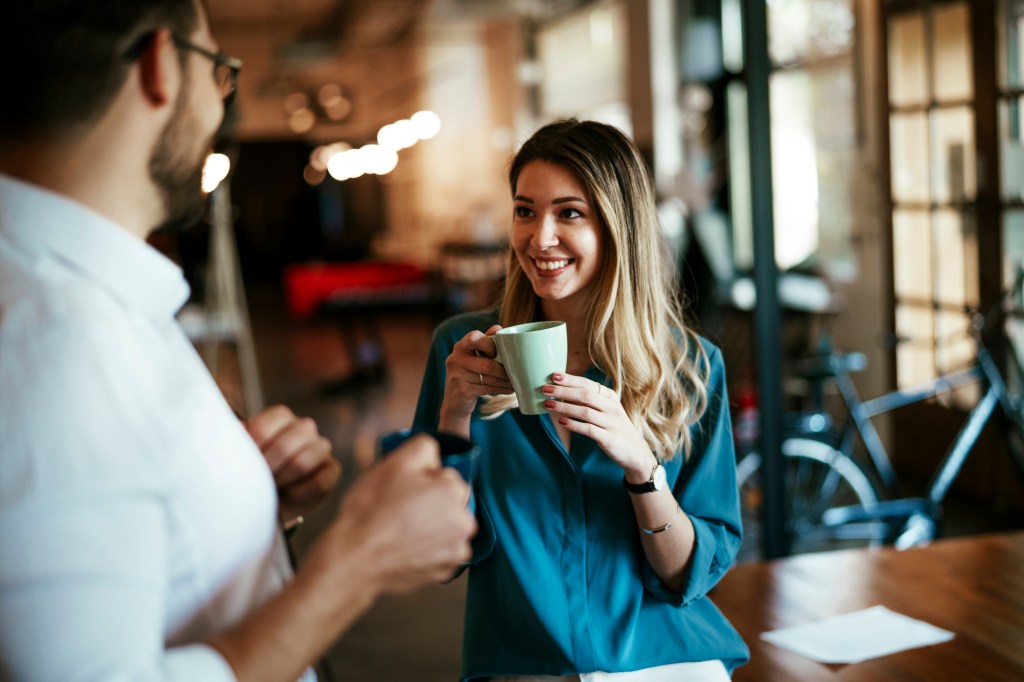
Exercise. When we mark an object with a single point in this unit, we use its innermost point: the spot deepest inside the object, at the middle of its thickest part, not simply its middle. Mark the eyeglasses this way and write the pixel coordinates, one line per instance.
(225, 68)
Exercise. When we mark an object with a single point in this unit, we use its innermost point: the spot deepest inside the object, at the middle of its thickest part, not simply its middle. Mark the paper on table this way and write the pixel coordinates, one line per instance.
(857, 636)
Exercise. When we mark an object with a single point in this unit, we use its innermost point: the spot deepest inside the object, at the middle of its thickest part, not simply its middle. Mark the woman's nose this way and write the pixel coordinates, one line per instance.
(546, 235)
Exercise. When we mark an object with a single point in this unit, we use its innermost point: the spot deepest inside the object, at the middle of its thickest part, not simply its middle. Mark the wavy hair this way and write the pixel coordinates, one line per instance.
(635, 320)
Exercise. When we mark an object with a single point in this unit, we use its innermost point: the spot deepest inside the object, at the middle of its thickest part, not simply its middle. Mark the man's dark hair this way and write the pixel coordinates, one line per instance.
(62, 61)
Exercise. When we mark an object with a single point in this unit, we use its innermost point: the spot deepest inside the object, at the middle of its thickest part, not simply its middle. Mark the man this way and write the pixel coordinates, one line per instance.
(137, 515)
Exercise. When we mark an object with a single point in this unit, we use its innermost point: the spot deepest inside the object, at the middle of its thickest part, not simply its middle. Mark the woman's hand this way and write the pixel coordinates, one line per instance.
(589, 408)
(472, 373)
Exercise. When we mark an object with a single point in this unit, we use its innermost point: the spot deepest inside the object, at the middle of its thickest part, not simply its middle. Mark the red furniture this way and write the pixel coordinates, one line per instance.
(353, 295)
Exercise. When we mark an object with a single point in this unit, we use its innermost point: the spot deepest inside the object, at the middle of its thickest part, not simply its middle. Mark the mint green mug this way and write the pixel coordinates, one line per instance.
(531, 353)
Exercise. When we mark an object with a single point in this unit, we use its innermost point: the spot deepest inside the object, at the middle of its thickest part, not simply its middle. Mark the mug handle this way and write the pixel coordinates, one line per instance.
(497, 353)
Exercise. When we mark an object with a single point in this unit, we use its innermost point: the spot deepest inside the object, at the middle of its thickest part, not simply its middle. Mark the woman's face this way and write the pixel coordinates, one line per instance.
(556, 233)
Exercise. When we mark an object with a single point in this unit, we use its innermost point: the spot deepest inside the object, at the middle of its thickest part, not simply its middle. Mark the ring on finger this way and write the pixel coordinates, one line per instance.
(481, 379)
(599, 387)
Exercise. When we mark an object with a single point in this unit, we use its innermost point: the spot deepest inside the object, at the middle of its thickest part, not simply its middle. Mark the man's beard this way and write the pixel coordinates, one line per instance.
(177, 175)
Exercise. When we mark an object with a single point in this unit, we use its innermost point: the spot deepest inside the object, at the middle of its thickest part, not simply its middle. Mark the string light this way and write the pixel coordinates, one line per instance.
(342, 162)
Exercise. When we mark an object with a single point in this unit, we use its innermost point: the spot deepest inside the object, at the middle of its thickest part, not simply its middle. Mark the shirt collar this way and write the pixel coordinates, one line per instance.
(42, 221)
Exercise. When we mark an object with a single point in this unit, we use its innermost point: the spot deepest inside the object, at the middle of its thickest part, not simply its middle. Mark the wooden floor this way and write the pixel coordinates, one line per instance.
(416, 637)
(413, 638)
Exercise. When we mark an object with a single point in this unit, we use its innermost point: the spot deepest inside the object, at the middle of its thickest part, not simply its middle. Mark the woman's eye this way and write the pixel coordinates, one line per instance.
(570, 213)
(523, 212)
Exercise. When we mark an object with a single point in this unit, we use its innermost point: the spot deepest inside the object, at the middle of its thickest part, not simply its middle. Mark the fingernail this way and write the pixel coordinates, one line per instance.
(557, 377)
(563, 421)
(550, 404)
(548, 389)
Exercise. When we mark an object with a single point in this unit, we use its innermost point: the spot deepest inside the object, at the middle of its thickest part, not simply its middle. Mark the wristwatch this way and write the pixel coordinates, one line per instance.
(656, 482)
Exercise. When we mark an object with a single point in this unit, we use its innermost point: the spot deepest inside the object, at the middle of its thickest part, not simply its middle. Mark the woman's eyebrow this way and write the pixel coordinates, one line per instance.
(559, 200)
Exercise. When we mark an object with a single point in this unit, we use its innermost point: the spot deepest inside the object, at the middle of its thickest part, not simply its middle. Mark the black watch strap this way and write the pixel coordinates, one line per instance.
(639, 488)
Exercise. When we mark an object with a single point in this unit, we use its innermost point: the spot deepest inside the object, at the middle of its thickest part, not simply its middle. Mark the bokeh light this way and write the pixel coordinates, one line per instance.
(426, 123)
(215, 169)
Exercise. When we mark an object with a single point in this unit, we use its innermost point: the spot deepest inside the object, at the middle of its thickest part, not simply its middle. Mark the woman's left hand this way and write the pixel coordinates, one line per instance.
(592, 409)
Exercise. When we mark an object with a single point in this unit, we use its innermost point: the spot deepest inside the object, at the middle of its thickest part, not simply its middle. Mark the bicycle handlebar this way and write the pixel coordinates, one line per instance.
(831, 365)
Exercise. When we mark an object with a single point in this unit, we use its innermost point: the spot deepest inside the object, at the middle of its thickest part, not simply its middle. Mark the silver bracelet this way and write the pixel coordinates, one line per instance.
(659, 529)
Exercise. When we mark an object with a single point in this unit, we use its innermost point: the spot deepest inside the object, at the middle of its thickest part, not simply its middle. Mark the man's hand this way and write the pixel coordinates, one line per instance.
(300, 459)
(404, 523)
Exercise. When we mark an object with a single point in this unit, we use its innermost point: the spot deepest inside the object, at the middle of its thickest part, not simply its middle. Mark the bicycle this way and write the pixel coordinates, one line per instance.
(832, 498)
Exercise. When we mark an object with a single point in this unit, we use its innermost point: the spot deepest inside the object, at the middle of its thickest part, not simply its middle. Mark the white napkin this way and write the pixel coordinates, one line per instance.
(857, 636)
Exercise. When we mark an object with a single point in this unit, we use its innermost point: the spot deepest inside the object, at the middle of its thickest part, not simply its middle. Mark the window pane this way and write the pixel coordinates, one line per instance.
(951, 63)
(955, 349)
(805, 29)
(794, 171)
(907, 75)
(915, 356)
(954, 346)
(1011, 148)
(912, 262)
(954, 173)
(584, 60)
(909, 151)
(1011, 43)
(953, 260)
(1013, 260)
(1015, 333)
(732, 35)
(1013, 244)
(739, 176)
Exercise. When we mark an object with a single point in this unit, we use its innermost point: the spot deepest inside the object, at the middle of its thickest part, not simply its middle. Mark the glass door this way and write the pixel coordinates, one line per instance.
(949, 233)
(934, 181)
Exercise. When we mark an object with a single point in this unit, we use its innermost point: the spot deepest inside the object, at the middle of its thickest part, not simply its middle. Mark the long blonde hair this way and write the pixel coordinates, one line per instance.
(635, 319)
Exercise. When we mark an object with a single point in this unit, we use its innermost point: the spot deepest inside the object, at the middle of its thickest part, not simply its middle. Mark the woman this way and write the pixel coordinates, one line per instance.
(604, 523)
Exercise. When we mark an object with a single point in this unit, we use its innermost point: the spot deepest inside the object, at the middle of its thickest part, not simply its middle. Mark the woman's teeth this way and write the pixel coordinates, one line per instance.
(551, 264)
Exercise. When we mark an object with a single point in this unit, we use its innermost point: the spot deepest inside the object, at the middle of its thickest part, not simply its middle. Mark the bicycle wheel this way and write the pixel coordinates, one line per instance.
(817, 477)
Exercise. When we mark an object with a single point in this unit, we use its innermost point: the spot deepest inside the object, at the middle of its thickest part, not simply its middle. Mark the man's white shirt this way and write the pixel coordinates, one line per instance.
(137, 517)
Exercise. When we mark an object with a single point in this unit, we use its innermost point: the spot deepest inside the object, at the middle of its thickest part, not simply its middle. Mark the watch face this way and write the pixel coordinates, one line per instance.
(658, 477)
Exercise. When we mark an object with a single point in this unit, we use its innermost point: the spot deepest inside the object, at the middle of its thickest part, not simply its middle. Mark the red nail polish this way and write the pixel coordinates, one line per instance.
(563, 421)
(549, 404)
(549, 390)
(557, 377)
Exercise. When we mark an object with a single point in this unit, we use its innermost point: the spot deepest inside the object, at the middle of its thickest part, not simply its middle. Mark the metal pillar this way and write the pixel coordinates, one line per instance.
(775, 537)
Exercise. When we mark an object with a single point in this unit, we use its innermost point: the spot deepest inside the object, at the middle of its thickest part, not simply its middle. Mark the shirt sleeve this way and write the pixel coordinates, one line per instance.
(707, 492)
(84, 524)
(82, 597)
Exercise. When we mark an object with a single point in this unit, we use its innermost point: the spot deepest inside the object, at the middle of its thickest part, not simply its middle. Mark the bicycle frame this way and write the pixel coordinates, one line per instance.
(862, 413)
(996, 394)
(909, 521)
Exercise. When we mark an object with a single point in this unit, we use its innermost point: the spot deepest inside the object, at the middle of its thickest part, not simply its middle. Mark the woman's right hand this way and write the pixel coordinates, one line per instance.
(472, 373)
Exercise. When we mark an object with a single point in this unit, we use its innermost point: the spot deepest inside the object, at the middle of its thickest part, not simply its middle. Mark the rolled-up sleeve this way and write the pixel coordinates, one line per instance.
(707, 492)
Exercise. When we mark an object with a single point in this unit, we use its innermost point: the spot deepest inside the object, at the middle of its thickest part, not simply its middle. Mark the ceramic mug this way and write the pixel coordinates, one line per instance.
(531, 353)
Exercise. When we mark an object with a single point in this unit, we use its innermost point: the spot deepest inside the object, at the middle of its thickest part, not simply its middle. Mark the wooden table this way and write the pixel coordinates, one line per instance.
(972, 586)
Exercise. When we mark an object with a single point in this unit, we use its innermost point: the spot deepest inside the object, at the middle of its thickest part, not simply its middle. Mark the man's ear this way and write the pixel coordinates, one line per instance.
(159, 69)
